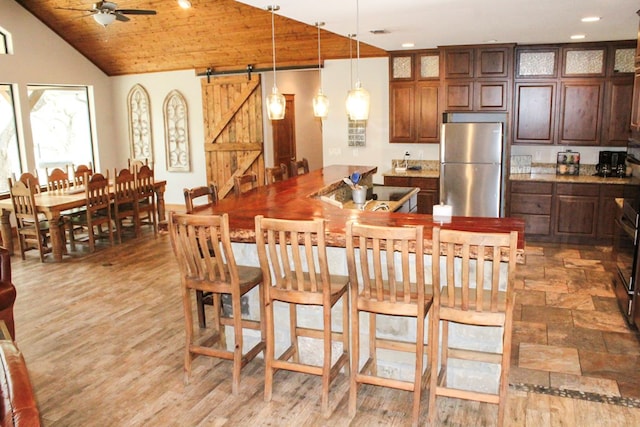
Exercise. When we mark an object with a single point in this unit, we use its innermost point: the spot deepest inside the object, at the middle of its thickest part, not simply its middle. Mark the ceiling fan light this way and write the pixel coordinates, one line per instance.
(320, 105)
(185, 4)
(358, 101)
(104, 18)
(276, 105)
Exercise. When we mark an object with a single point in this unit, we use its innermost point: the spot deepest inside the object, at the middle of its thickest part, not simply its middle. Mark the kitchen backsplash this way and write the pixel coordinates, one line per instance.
(426, 165)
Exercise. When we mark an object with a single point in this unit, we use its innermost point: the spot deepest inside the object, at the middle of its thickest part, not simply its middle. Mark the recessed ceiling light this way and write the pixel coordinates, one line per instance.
(591, 19)
(408, 44)
(577, 37)
(491, 41)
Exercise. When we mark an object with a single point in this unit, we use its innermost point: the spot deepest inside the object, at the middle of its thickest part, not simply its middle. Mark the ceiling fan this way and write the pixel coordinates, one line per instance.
(105, 12)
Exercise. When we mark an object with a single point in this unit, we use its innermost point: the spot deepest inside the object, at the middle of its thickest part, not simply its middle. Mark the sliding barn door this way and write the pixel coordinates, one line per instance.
(232, 107)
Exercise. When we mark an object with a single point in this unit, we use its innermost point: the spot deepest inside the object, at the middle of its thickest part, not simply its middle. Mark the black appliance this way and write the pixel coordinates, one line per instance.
(612, 163)
(625, 252)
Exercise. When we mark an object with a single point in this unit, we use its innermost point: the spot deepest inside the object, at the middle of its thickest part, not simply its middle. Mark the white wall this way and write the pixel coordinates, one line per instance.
(158, 86)
(41, 57)
(374, 77)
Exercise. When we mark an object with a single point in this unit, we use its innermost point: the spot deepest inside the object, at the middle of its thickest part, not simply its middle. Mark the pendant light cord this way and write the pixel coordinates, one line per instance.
(273, 43)
(319, 67)
(358, 41)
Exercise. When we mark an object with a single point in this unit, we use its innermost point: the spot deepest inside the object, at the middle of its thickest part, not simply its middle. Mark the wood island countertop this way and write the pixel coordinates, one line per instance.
(297, 199)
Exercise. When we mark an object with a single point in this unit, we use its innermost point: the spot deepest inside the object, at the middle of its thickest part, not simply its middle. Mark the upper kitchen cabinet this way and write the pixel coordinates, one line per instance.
(477, 78)
(576, 94)
(414, 97)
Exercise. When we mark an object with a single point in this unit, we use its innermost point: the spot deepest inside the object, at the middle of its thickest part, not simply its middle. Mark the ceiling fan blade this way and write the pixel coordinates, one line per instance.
(136, 12)
(120, 17)
(77, 10)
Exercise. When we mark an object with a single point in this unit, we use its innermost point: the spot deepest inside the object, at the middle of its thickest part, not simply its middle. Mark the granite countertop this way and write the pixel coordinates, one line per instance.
(428, 168)
(574, 179)
(411, 173)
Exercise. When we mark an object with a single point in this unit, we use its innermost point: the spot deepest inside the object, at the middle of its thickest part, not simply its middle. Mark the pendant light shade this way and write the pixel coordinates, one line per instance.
(358, 103)
(276, 104)
(358, 97)
(320, 101)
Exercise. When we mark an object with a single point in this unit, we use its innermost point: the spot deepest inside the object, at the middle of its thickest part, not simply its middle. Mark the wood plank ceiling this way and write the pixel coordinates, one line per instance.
(222, 35)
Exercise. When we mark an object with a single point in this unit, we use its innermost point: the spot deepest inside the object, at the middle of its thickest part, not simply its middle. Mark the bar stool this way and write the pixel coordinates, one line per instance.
(299, 167)
(294, 265)
(392, 284)
(276, 174)
(215, 270)
(458, 301)
(244, 183)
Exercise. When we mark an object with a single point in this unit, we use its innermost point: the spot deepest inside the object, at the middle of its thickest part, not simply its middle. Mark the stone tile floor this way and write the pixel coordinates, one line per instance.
(569, 333)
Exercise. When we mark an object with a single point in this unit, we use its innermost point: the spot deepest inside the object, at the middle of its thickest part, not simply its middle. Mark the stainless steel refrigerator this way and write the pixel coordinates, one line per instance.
(471, 168)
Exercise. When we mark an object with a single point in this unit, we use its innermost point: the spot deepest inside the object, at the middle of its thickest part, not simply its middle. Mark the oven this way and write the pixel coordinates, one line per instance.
(625, 252)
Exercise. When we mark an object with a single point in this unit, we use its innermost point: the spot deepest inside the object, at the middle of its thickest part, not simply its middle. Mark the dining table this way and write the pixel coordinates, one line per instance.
(52, 204)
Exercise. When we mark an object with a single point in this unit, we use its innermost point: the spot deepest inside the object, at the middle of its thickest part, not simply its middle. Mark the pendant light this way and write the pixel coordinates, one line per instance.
(104, 18)
(275, 101)
(358, 98)
(320, 101)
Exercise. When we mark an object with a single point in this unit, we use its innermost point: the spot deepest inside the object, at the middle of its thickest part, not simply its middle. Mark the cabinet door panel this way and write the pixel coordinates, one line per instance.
(535, 113)
(428, 113)
(491, 95)
(635, 108)
(458, 63)
(459, 96)
(607, 209)
(576, 216)
(617, 113)
(493, 62)
(401, 112)
(538, 204)
(580, 113)
(536, 224)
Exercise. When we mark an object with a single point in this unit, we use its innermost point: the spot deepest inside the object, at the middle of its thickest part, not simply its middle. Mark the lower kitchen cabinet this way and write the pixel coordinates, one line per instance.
(566, 212)
(429, 194)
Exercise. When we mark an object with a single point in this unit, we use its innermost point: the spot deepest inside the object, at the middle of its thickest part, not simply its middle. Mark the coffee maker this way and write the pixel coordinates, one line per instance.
(611, 163)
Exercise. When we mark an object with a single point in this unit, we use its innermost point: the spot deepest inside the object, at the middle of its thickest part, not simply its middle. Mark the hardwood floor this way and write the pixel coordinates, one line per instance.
(103, 338)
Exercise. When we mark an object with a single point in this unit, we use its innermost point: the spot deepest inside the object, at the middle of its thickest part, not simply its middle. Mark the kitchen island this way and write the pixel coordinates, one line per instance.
(299, 198)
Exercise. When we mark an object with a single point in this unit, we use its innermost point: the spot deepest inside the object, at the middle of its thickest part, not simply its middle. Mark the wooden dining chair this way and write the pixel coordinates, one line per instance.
(125, 203)
(147, 208)
(31, 179)
(135, 164)
(294, 264)
(80, 171)
(386, 275)
(58, 180)
(244, 183)
(98, 209)
(472, 261)
(200, 197)
(33, 232)
(299, 167)
(215, 270)
(275, 174)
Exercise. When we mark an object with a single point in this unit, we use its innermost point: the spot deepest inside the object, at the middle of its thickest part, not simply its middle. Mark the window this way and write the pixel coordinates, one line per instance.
(5, 42)
(9, 152)
(60, 126)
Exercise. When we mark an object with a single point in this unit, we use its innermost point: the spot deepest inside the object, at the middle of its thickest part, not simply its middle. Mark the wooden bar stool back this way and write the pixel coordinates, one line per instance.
(244, 183)
(201, 198)
(299, 167)
(386, 272)
(276, 174)
(293, 258)
(214, 270)
(79, 173)
(459, 301)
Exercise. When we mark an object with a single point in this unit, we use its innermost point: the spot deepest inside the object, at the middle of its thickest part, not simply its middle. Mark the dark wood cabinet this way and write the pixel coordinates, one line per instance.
(587, 103)
(566, 212)
(532, 201)
(616, 121)
(576, 207)
(580, 117)
(414, 97)
(429, 194)
(534, 115)
(477, 78)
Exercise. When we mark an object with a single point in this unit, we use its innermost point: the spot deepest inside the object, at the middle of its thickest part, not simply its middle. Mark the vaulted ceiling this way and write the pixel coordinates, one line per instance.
(229, 35)
(218, 34)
